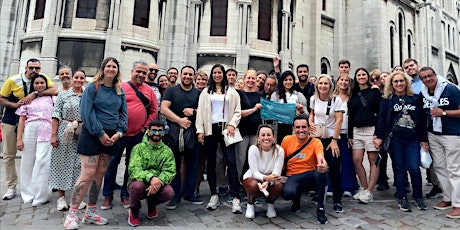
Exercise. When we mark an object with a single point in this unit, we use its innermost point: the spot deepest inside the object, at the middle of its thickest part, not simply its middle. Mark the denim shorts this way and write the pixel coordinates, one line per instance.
(89, 145)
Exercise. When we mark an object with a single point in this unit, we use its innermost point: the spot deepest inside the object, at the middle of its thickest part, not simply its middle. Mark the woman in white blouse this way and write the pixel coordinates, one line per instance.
(265, 161)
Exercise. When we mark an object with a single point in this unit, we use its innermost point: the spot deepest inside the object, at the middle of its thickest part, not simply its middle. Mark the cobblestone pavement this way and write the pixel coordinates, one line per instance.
(383, 213)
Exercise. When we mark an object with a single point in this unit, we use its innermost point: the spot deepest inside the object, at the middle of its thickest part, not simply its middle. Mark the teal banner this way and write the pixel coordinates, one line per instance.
(276, 111)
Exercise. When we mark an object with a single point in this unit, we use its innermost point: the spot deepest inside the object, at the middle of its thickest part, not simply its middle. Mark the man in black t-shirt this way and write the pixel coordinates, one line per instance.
(304, 86)
(179, 107)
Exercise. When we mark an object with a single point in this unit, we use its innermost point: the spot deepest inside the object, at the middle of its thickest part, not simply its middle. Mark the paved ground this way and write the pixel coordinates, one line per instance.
(381, 214)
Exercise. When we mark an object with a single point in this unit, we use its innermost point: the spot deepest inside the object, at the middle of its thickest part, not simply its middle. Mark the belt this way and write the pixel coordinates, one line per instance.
(70, 120)
(219, 124)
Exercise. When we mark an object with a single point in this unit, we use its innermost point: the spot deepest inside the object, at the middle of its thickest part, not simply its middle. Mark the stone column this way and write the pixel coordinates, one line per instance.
(242, 48)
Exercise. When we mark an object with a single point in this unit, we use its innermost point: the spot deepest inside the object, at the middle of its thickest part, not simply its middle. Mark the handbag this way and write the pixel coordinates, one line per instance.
(180, 138)
(229, 140)
(320, 129)
(425, 159)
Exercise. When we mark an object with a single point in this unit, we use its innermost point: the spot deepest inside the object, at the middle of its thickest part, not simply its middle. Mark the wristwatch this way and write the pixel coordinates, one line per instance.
(36, 93)
(121, 134)
(444, 113)
(334, 138)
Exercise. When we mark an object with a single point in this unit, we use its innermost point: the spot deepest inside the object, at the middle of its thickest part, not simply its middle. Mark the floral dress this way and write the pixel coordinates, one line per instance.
(65, 161)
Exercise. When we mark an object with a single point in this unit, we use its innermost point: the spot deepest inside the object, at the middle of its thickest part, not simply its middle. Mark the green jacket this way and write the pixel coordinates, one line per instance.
(149, 161)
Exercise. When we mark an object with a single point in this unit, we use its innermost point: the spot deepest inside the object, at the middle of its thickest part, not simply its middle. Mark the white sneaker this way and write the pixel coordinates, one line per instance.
(358, 194)
(82, 205)
(213, 202)
(236, 208)
(347, 194)
(271, 213)
(9, 194)
(329, 194)
(250, 214)
(62, 204)
(366, 197)
(71, 221)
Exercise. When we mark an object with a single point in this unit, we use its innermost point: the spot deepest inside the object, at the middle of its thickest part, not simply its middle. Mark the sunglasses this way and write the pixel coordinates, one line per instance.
(153, 70)
(399, 81)
(159, 131)
(375, 79)
(33, 67)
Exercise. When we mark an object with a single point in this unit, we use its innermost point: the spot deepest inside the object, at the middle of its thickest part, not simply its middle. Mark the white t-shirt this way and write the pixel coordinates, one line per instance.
(320, 108)
(218, 113)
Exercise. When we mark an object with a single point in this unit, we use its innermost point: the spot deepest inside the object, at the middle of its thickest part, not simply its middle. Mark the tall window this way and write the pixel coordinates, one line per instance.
(39, 9)
(86, 9)
(324, 5)
(392, 47)
(264, 31)
(409, 45)
(401, 37)
(219, 10)
(141, 13)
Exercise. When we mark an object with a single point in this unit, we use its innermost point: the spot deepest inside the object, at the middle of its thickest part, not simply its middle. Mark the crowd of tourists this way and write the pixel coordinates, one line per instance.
(259, 136)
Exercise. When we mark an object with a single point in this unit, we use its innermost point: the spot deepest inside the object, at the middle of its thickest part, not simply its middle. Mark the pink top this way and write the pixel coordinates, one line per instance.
(40, 109)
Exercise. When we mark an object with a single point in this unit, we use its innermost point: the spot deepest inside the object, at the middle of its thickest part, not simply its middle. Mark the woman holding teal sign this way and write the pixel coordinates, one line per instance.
(287, 95)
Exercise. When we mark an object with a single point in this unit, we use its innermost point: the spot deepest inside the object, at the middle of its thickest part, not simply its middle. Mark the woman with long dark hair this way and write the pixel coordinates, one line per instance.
(104, 114)
(363, 108)
(219, 109)
(286, 94)
(34, 139)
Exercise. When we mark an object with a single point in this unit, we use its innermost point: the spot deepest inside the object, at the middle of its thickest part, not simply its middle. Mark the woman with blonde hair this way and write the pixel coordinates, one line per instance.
(265, 159)
(343, 90)
(327, 110)
(401, 115)
(250, 117)
(104, 115)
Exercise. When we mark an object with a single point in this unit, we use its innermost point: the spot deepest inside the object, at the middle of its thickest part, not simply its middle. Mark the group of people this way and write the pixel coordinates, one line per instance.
(171, 133)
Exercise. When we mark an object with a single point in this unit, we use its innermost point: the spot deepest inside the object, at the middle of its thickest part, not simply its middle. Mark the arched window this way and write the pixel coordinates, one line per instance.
(401, 37)
(409, 45)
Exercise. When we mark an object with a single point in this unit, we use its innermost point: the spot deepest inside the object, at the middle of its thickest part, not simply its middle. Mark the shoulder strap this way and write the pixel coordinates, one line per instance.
(293, 154)
(141, 96)
(328, 107)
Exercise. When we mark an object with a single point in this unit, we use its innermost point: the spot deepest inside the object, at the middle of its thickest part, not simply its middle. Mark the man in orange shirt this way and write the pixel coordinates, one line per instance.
(307, 169)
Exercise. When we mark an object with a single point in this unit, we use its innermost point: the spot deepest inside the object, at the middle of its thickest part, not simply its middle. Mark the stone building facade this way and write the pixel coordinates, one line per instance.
(240, 34)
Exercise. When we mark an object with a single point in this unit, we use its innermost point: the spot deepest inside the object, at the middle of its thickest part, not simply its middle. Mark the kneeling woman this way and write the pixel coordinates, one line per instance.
(265, 160)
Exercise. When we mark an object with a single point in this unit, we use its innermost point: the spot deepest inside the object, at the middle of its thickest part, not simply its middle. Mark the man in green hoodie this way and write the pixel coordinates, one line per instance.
(151, 169)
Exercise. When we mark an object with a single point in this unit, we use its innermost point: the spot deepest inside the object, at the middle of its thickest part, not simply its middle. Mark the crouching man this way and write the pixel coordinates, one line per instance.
(306, 167)
(151, 169)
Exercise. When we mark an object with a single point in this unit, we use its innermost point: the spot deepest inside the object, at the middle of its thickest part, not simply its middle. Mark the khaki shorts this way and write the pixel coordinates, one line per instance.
(363, 138)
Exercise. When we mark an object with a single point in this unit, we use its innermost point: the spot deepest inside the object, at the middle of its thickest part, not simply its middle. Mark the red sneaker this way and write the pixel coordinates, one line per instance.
(132, 221)
(152, 214)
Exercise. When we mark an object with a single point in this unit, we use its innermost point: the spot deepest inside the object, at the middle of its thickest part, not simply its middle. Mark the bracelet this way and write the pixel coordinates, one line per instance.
(335, 138)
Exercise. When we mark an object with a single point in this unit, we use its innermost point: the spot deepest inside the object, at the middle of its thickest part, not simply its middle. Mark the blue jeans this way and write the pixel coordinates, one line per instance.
(307, 181)
(110, 176)
(191, 160)
(405, 156)
(210, 143)
(348, 168)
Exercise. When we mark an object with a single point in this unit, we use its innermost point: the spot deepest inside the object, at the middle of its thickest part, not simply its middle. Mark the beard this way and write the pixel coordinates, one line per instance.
(301, 79)
(151, 77)
(155, 138)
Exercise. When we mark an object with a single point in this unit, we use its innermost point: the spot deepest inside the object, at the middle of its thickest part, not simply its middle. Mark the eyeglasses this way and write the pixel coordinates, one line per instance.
(375, 79)
(34, 67)
(159, 131)
(399, 81)
(153, 70)
(426, 77)
(300, 127)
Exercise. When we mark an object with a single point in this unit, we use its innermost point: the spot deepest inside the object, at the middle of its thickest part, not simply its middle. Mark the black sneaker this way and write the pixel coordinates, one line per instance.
(338, 208)
(435, 192)
(172, 204)
(383, 186)
(194, 200)
(295, 204)
(321, 214)
(404, 205)
(420, 203)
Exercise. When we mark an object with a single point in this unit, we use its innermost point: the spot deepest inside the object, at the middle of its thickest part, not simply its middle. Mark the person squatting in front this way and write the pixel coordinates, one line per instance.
(151, 169)
(306, 169)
